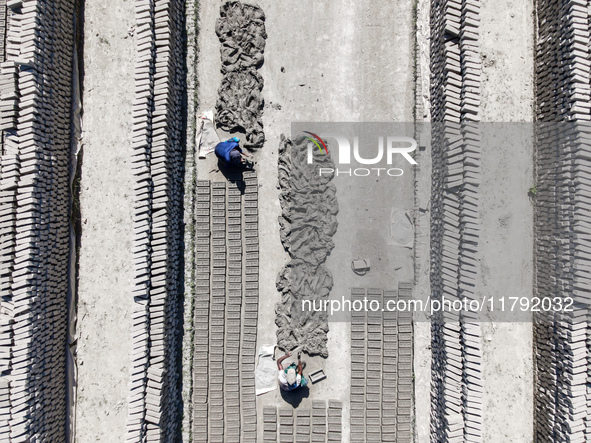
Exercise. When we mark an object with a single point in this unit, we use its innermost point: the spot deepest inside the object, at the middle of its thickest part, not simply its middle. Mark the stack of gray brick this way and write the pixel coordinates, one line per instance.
(154, 401)
(3, 26)
(8, 94)
(36, 43)
(142, 112)
(561, 340)
(9, 177)
(455, 100)
(13, 27)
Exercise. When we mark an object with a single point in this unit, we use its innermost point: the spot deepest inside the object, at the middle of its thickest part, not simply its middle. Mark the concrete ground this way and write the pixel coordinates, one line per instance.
(507, 29)
(328, 67)
(422, 327)
(106, 267)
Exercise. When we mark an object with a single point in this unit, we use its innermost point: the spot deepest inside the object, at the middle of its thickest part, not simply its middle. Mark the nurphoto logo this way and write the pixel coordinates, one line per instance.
(394, 145)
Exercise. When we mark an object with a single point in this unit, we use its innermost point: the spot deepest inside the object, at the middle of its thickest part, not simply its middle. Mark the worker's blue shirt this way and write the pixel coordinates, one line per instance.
(223, 149)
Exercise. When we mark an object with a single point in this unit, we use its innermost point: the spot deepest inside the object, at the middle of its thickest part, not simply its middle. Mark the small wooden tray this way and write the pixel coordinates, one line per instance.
(317, 376)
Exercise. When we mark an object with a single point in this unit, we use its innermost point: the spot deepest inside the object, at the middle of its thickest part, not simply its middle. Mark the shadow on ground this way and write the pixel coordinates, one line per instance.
(295, 397)
(233, 173)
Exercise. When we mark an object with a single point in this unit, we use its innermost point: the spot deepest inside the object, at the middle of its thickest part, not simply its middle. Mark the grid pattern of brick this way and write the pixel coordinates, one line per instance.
(233, 253)
(202, 312)
(250, 245)
(381, 369)
(402, 329)
(316, 424)
(335, 421)
(286, 425)
(226, 310)
(217, 314)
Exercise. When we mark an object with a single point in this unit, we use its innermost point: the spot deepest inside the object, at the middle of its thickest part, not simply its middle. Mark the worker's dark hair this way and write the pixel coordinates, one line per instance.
(235, 157)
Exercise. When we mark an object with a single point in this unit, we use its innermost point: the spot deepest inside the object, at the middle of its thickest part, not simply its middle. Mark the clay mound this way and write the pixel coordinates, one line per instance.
(239, 108)
(308, 222)
(240, 105)
(241, 30)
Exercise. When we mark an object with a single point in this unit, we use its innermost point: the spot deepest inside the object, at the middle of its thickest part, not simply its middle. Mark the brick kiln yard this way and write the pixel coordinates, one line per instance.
(139, 281)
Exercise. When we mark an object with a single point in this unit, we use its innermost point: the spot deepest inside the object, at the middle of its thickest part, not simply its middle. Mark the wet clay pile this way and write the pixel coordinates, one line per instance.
(308, 222)
(239, 108)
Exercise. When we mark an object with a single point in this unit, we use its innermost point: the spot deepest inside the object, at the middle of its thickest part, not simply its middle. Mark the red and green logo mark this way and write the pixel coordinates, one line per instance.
(316, 142)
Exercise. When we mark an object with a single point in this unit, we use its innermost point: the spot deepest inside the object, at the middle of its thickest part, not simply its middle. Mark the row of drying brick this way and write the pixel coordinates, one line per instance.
(455, 109)
(317, 424)
(35, 100)
(226, 311)
(251, 307)
(381, 368)
(154, 396)
(563, 93)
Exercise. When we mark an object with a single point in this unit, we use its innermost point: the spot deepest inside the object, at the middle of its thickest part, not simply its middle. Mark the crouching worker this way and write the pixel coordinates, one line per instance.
(290, 378)
(230, 153)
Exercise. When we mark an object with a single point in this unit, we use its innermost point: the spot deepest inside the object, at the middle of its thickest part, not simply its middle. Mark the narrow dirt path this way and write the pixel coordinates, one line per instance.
(507, 215)
(106, 191)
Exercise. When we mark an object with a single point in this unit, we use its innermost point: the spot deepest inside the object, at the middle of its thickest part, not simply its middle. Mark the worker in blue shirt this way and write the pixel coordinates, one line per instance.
(230, 153)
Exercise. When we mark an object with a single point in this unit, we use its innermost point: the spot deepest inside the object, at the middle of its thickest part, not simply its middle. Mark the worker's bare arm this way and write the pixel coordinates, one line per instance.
(279, 365)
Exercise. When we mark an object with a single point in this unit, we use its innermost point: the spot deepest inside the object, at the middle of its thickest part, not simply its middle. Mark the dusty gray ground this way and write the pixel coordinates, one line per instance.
(333, 64)
(507, 217)
(422, 329)
(105, 277)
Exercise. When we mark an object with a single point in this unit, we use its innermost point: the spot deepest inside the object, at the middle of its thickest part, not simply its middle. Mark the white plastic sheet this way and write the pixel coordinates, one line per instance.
(206, 135)
(266, 371)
